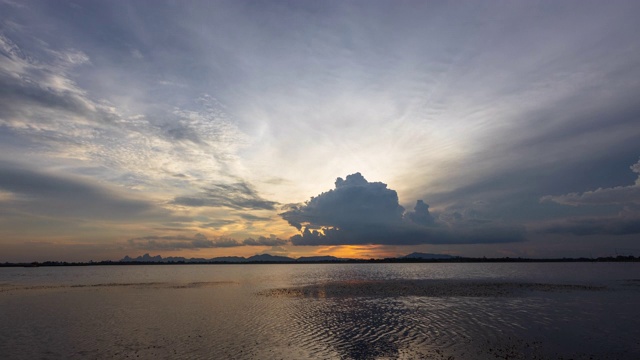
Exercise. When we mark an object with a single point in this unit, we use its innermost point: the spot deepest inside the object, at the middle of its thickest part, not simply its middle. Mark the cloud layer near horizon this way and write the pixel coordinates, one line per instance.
(199, 241)
(362, 212)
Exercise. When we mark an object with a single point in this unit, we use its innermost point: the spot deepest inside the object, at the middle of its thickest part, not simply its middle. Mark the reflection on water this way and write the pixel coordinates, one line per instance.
(357, 311)
(417, 327)
(156, 285)
(424, 288)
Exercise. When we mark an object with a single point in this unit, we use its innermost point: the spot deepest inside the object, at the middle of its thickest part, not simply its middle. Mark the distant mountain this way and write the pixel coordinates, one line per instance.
(143, 258)
(320, 258)
(426, 256)
(176, 259)
(146, 258)
(229, 259)
(267, 257)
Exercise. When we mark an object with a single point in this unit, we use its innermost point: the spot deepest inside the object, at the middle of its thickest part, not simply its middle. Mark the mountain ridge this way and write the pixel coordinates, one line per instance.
(265, 258)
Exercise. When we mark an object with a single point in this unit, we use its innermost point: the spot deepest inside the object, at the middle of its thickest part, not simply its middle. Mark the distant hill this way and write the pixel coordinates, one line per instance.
(319, 258)
(427, 256)
(230, 259)
(227, 259)
(267, 257)
(146, 258)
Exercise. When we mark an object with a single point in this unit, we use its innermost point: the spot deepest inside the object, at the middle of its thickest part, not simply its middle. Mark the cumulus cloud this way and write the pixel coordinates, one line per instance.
(240, 195)
(420, 214)
(199, 241)
(618, 195)
(353, 203)
(362, 212)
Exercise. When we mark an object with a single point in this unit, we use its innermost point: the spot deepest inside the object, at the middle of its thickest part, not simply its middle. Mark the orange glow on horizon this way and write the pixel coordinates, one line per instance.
(356, 251)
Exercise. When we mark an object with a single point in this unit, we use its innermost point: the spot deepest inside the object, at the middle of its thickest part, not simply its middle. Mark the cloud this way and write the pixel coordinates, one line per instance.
(44, 107)
(251, 217)
(240, 195)
(362, 212)
(272, 240)
(420, 214)
(354, 202)
(58, 195)
(199, 241)
(624, 223)
(218, 223)
(423, 85)
(35, 89)
(618, 195)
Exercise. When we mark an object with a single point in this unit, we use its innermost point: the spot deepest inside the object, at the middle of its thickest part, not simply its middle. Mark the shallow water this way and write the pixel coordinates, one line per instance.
(333, 311)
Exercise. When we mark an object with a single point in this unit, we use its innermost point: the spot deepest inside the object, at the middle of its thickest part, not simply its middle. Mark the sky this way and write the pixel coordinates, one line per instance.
(347, 128)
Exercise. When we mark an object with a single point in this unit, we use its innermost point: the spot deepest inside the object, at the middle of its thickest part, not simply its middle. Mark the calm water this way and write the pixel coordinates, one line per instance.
(347, 311)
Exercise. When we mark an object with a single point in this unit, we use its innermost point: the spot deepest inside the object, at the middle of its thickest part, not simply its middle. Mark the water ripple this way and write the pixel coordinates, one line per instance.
(140, 285)
(316, 312)
(428, 288)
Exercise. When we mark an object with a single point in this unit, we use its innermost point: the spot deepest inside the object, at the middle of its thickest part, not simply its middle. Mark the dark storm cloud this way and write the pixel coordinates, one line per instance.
(420, 214)
(240, 195)
(360, 212)
(409, 235)
(354, 202)
(58, 195)
(199, 241)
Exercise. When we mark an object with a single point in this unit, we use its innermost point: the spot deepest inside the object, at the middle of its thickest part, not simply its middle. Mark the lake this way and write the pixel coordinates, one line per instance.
(322, 311)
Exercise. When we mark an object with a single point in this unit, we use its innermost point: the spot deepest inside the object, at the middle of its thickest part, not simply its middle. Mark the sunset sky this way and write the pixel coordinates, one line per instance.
(300, 128)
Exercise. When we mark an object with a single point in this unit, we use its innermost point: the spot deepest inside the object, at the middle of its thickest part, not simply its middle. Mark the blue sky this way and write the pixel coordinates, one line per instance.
(202, 128)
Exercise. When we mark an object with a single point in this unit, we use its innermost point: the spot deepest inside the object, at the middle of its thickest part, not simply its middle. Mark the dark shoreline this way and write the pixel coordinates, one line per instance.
(342, 261)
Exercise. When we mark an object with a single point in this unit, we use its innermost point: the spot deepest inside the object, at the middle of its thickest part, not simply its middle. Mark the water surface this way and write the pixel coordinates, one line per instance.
(332, 311)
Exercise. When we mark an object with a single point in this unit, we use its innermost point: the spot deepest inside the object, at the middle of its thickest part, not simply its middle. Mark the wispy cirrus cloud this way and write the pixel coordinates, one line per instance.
(42, 105)
(239, 195)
